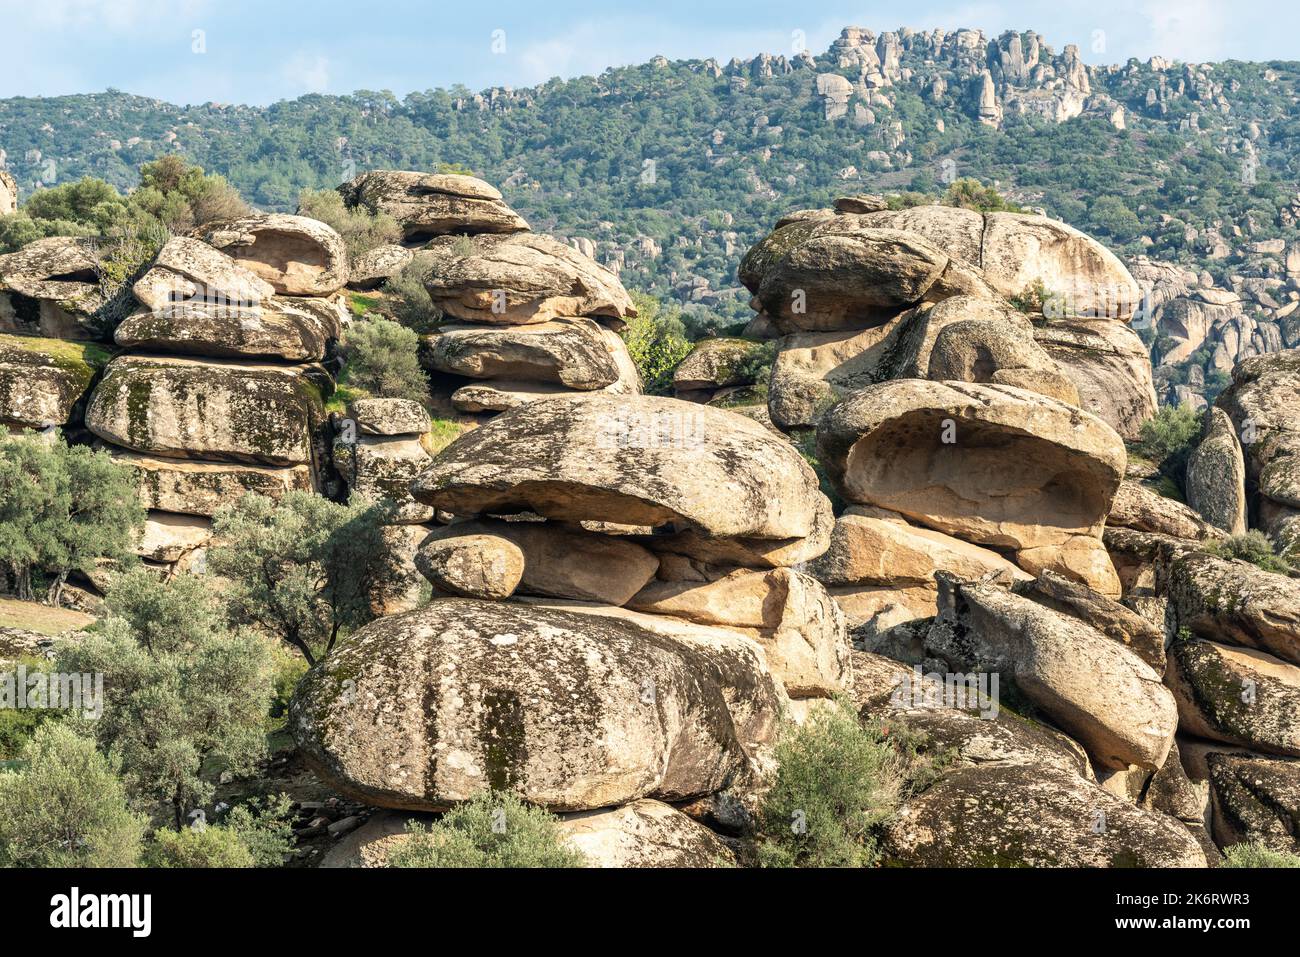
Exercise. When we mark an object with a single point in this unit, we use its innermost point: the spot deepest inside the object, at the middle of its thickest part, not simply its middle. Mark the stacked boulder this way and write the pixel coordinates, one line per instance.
(522, 316)
(861, 294)
(220, 390)
(618, 620)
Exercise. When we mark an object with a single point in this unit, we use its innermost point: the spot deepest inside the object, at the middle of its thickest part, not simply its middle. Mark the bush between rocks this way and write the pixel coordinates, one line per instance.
(838, 781)
(494, 829)
(1256, 854)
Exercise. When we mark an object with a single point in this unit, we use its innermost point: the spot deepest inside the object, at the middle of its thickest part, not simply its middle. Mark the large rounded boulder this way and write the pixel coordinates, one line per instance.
(433, 204)
(570, 711)
(632, 460)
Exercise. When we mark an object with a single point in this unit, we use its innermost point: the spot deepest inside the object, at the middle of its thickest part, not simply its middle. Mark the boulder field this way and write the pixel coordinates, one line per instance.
(910, 472)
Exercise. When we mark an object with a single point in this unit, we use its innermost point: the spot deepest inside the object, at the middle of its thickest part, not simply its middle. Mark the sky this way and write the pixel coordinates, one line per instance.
(260, 51)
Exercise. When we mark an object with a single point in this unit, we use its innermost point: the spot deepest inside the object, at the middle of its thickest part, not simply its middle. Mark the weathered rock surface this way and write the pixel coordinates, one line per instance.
(801, 629)
(1255, 799)
(572, 712)
(518, 279)
(374, 267)
(1143, 509)
(51, 287)
(1262, 402)
(1117, 622)
(1032, 816)
(390, 417)
(8, 194)
(633, 460)
(168, 537)
(186, 408)
(277, 329)
(1019, 470)
(567, 351)
(872, 546)
(472, 566)
(1108, 364)
(203, 488)
(714, 364)
(1233, 602)
(190, 272)
(384, 466)
(1094, 688)
(1236, 695)
(298, 256)
(433, 204)
(644, 833)
(1216, 476)
(562, 561)
(42, 380)
(812, 369)
(850, 278)
(976, 350)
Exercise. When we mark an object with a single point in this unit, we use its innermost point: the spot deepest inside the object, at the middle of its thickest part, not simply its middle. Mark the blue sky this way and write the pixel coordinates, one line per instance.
(258, 51)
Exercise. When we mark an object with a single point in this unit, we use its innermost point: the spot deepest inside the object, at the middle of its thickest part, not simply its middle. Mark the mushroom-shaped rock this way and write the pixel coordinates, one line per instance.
(569, 351)
(1091, 686)
(185, 408)
(298, 256)
(569, 711)
(521, 278)
(42, 380)
(472, 566)
(860, 277)
(1236, 695)
(433, 204)
(633, 460)
(990, 464)
(563, 561)
(644, 834)
(51, 287)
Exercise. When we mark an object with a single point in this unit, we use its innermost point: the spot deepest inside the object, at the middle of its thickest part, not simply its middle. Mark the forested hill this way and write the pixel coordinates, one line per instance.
(672, 169)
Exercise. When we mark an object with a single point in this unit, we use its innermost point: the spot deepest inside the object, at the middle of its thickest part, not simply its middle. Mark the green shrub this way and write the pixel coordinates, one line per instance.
(361, 229)
(1169, 437)
(1254, 547)
(408, 301)
(1256, 854)
(838, 779)
(656, 340)
(257, 836)
(66, 807)
(490, 830)
(62, 509)
(381, 357)
(18, 725)
(186, 697)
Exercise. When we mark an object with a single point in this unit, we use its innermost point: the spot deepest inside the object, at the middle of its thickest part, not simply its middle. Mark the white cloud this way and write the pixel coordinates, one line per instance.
(307, 73)
(1193, 31)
